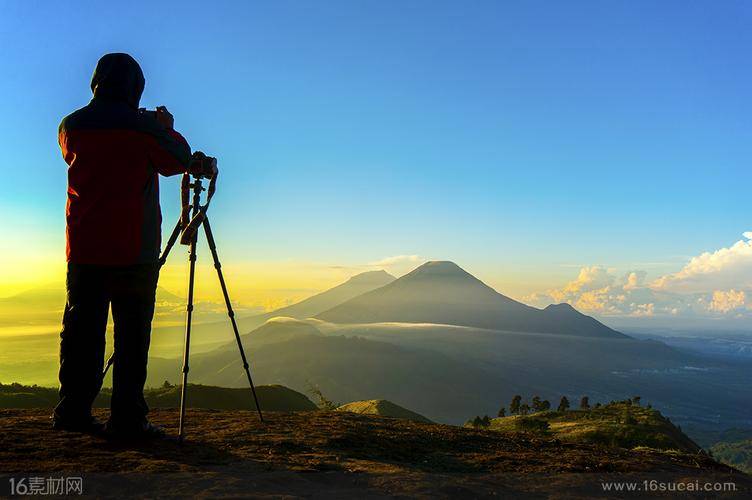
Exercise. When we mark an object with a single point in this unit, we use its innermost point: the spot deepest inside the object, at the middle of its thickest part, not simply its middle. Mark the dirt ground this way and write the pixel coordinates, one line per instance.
(341, 455)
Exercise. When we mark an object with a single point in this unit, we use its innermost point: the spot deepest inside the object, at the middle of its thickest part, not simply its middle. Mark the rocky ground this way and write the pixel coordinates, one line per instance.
(340, 455)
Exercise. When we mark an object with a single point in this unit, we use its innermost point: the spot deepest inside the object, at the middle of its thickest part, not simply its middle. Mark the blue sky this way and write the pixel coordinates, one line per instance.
(520, 139)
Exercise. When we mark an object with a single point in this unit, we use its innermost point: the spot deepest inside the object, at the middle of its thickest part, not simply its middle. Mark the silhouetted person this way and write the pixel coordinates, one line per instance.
(114, 155)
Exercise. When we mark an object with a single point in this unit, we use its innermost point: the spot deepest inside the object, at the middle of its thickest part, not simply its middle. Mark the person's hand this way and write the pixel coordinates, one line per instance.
(165, 117)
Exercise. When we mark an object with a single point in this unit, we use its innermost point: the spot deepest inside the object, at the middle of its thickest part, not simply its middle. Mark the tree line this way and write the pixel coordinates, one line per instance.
(536, 404)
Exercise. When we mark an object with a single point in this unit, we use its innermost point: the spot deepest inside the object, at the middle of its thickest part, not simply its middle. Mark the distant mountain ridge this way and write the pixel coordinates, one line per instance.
(353, 287)
(273, 397)
(168, 337)
(442, 292)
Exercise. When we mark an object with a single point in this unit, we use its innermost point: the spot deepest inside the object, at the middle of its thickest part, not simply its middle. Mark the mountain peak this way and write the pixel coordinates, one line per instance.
(440, 264)
(563, 307)
(441, 292)
(439, 268)
(380, 277)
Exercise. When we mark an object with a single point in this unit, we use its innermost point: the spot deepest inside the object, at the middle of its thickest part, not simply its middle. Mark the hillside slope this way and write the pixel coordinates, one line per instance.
(271, 397)
(348, 369)
(231, 454)
(737, 454)
(615, 424)
(442, 292)
(383, 408)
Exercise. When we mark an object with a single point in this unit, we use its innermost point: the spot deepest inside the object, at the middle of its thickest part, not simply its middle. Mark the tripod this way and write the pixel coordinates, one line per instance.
(189, 232)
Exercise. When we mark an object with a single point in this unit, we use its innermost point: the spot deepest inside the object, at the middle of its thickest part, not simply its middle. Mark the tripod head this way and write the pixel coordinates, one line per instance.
(192, 212)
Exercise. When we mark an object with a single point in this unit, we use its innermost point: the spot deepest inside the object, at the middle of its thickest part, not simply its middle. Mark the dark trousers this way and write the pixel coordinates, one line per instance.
(90, 292)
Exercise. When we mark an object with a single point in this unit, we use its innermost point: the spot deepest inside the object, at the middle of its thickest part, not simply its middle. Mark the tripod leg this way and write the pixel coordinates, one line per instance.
(230, 312)
(189, 317)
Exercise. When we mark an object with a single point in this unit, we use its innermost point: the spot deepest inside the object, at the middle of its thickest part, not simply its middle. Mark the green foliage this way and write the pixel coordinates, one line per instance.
(585, 403)
(541, 405)
(502, 412)
(479, 422)
(563, 404)
(524, 409)
(514, 407)
(737, 454)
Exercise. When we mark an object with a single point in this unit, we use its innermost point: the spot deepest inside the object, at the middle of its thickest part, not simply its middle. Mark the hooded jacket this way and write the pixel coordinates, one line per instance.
(114, 155)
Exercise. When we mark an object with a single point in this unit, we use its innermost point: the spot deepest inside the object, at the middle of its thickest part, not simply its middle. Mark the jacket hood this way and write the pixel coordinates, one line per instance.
(118, 77)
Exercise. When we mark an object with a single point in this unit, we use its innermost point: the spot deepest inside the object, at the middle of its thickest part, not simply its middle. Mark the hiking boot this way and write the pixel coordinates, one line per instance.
(87, 425)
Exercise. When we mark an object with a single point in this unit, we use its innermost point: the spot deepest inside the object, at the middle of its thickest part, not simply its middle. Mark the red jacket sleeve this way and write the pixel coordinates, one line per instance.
(169, 152)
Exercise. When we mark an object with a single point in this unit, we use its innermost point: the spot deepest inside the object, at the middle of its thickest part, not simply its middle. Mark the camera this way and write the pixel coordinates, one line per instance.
(165, 117)
(202, 166)
(148, 112)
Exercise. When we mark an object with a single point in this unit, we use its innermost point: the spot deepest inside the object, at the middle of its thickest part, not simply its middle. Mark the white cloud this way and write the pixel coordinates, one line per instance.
(726, 301)
(398, 264)
(710, 284)
(599, 290)
(590, 279)
(397, 259)
(722, 269)
(644, 309)
(634, 280)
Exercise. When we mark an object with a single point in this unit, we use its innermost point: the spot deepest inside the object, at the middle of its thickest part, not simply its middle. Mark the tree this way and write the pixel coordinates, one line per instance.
(167, 385)
(536, 403)
(540, 405)
(479, 422)
(514, 407)
(585, 403)
(563, 404)
(636, 400)
(502, 412)
(524, 409)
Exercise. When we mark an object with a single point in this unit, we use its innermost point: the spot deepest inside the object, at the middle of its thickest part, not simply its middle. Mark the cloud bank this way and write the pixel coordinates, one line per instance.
(712, 284)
